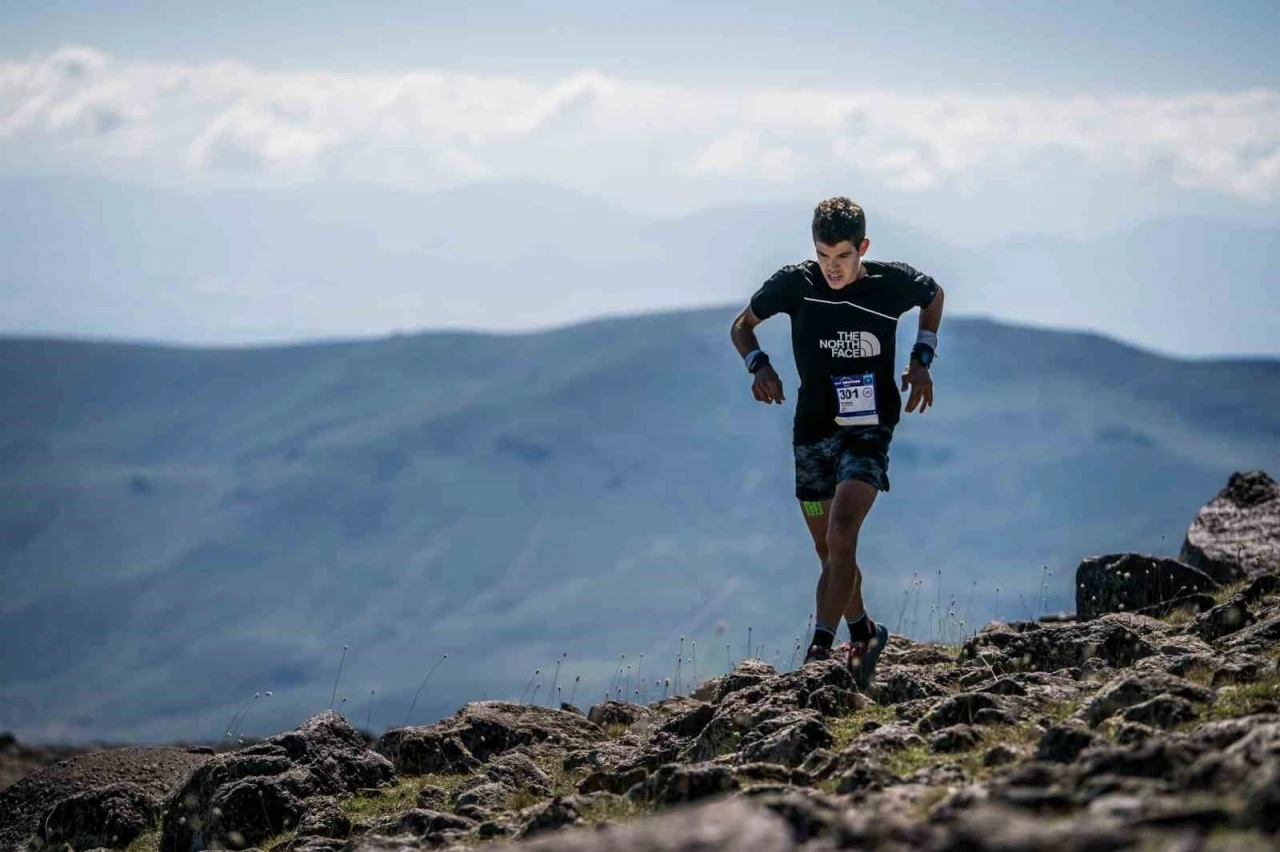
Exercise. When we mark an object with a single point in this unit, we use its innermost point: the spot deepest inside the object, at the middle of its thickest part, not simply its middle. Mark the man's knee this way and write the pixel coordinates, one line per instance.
(842, 534)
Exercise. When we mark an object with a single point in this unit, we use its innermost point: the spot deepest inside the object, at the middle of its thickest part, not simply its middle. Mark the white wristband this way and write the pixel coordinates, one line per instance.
(928, 338)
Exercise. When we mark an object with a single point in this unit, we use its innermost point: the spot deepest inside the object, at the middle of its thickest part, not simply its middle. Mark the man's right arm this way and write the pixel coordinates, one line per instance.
(766, 386)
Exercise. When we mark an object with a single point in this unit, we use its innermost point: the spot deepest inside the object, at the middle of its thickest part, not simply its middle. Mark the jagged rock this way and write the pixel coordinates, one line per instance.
(1237, 534)
(675, 783)
(1004, 686)
(819, 765)
(488, 795)
(864, 776)
(1001, 754)
(1262, 798)
(900, 685)
(548, 816)
(431, 798)
(955, 738)
(481, 730)
(1131, 689)
(1063, 743)
(727, 826)
(107, 816)
(324, 818)
(614, 712)
(604, 756)
(1127, 582)
(787, 739)
(617, 781)
(263, 789)
(1228, 769)
(1132, 733)
(311, 843)
(517, 772)
(26, 802)
(775, 772)
(834, 701)
(1164, 711)
(957, 709)
(416, 822)
(691, 722)
(1156, 758)
(1222, 620)
(746, 674)
(740, 711)
(1116, 639)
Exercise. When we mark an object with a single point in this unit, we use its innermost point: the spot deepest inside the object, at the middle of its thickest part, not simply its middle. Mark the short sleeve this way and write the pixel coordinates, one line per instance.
(917, 289)
(781, 294)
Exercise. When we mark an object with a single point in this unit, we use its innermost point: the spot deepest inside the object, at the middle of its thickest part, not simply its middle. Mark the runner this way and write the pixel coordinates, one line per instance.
(844, 314)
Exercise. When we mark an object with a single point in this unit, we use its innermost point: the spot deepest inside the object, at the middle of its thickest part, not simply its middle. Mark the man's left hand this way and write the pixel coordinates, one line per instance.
(921, 384)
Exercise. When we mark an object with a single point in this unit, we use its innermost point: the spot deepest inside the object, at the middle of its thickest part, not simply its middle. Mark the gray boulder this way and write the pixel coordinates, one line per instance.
(110, 816)
(481, 730)
(244, 797)
(25, 803)
(1236, 535)
(1129, 582)
(723, 826)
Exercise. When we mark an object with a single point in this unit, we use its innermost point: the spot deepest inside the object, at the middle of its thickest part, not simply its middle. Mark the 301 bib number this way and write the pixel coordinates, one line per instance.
(856, 400)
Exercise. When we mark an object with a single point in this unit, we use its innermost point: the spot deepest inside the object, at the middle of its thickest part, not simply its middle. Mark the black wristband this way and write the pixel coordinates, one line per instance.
(922, 353)
(757, 362)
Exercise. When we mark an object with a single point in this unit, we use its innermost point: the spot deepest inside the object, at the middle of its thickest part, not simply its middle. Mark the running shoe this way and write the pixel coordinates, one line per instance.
(868, 655)
(816, 653)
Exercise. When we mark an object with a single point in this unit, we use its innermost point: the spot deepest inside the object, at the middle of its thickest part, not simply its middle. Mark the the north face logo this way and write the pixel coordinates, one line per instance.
(852, 344)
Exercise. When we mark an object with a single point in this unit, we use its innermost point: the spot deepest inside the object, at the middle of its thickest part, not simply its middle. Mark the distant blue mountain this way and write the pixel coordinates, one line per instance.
(182, 527)
(91, 258)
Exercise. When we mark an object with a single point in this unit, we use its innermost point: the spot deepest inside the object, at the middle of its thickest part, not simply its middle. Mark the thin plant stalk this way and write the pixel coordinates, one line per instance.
(335, 680)
(532, 678)
(414, 703)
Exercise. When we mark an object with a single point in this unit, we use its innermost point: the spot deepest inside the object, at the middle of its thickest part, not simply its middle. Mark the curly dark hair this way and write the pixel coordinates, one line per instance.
(838, 219)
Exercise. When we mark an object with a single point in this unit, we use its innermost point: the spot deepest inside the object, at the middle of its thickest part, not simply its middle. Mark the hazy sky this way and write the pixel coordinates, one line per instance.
(972, 122)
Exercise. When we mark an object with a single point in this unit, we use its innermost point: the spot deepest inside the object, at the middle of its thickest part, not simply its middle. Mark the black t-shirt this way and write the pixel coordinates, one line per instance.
(843, 340)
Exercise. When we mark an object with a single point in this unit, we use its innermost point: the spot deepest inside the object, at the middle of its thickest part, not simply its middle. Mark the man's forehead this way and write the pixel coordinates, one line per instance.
(839, 248)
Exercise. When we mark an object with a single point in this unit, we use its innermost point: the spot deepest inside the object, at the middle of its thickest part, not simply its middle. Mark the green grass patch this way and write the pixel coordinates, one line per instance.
(523, 798)
(614, 809)
(148, 841)
(613, 730)
(1200, 673)
(1225, 593)
(563, 783)
(278, 840)
(398, 798)
(846, 729)
(1246, 698)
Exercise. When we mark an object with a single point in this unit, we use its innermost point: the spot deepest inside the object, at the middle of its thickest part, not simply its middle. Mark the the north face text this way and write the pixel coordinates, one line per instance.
(852, 344)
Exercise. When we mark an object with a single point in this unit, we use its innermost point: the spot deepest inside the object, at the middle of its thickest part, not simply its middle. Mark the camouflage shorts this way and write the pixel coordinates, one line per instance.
(853, 452)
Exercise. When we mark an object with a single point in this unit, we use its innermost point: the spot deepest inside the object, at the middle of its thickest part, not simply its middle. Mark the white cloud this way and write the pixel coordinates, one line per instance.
(227, 117)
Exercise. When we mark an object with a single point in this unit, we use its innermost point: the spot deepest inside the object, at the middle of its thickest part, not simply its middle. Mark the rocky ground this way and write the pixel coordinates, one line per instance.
(1150, 729)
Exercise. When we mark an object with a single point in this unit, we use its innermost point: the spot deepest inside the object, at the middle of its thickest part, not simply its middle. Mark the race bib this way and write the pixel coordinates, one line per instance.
(856, 400)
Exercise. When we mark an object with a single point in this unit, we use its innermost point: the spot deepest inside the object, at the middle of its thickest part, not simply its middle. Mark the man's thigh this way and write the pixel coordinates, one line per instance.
(854, 499)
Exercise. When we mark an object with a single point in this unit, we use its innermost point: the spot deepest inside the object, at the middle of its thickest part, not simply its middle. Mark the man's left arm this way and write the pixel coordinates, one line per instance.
(916, 375)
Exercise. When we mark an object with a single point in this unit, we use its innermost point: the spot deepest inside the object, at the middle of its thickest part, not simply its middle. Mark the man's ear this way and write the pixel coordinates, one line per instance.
(866, 244)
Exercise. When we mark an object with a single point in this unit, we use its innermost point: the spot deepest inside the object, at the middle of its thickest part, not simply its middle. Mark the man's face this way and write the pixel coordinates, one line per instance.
(840, 262)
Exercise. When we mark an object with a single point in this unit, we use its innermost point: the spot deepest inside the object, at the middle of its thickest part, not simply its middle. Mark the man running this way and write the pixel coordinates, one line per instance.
(844, 314)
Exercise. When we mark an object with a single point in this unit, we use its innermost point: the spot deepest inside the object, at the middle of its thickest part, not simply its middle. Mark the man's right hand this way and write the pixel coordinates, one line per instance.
(766, 386)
